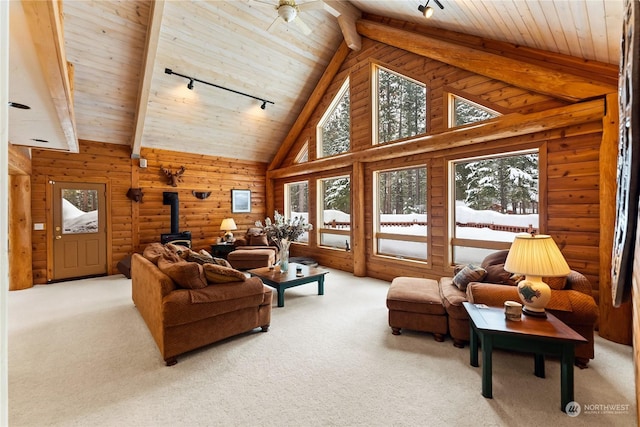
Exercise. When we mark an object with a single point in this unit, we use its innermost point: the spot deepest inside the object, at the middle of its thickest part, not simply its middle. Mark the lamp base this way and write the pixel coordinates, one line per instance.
(541, 314)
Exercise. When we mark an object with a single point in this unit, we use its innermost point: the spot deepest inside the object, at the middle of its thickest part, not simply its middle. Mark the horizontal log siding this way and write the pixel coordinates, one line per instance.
(571, 186)
(134, 225)
(201, 217)
(96, 162)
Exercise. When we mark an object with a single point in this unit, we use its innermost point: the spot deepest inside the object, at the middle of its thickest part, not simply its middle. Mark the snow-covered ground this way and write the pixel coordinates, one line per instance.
(418, 250)
(77, 221)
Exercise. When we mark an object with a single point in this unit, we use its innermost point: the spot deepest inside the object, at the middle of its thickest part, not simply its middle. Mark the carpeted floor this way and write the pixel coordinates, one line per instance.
(81, 355)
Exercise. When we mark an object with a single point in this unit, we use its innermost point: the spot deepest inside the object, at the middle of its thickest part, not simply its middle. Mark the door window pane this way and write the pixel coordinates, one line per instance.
(79, 211)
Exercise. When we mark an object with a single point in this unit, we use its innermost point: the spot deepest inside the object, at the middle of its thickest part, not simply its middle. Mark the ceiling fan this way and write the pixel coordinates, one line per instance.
(288, 11)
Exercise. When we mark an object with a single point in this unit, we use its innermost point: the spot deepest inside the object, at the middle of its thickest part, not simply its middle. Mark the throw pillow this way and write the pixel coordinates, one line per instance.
(470, 273)
(153, 252)
(259, 240)
(556, 283)
(205, 253)
(188, 275)
(221, 261)
(497, 274)
(181, 251)
(199, 258)
(218, 274)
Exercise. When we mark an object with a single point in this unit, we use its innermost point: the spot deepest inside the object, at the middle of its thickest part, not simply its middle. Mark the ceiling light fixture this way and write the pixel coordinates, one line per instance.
(193, 79)
(427, 10)
(19, 106)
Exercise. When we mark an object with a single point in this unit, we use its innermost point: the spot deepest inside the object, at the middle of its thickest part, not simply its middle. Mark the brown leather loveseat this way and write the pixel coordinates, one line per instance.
(187, 305)
(571, 301)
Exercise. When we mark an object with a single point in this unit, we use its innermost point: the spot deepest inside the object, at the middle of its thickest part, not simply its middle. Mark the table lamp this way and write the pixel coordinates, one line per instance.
(227, 225)
(535, 256)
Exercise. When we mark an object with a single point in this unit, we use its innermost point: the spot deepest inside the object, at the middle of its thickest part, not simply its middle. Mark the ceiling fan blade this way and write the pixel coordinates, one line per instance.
(439, 4)
(311, 5)
(303, 27)
(275, 24)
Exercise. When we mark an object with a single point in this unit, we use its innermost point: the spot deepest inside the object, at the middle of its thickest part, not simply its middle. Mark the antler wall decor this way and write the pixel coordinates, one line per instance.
(173, 177)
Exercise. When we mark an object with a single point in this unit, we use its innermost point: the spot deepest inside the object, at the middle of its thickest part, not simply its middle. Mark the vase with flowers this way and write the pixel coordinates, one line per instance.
(282, 232)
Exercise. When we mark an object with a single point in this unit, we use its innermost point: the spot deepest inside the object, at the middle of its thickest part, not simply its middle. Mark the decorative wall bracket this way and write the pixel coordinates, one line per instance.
(135, 194)
(201, 194)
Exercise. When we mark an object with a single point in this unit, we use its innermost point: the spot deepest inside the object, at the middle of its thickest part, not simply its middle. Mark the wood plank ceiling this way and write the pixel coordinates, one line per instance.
(227, 43)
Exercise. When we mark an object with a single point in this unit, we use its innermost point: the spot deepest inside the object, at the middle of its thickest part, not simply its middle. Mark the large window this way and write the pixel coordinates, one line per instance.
(334, 129)
(495, 198)
(462, 111)
(401, 207)
(334, 197)
(401, 106)
(296, 202)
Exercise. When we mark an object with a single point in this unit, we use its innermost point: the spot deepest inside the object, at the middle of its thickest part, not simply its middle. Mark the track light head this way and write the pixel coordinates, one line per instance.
(426, 10)
(168, 71)
(264, 105)
(190, 84)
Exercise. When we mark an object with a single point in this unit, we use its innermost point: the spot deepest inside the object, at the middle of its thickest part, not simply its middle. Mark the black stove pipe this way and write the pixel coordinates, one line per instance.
(171, 198)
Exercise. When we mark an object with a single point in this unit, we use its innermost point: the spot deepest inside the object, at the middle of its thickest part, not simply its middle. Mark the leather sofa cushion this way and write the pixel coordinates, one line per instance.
(188, 275)
(184, 306)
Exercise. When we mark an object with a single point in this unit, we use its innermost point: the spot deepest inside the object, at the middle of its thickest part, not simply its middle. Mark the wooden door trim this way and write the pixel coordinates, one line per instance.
(49, 216)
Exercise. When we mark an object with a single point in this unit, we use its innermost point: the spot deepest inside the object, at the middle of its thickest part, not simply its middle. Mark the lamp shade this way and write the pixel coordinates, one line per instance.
(536, 255)
(228, 224)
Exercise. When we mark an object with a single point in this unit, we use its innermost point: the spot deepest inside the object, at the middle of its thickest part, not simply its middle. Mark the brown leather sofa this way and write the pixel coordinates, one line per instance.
(181, 319)
(253, 250)
(573, 304)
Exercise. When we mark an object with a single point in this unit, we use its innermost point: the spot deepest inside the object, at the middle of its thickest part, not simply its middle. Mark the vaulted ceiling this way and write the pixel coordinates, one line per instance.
(119, 51)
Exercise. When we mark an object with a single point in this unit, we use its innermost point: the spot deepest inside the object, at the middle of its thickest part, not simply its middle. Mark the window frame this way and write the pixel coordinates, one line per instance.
(287, 205)
(375, 104)
(321, 229)
(377, 234)
(451, 97)
(325, 116)
(493, 245)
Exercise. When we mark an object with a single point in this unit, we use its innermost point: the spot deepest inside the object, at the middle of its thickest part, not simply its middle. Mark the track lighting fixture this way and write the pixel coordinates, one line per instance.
(427, 10)
(193, 79)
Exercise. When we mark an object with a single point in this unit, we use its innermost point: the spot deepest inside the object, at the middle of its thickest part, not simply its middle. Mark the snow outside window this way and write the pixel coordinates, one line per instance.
(334, 129)
(296, 202)
(401, 106)
(401, 204)
(495, 198)
(334, 196)
(79, 211)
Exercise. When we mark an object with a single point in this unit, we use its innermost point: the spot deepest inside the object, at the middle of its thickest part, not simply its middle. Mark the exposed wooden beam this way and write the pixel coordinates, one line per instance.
(311, 104)
(507, 126)
(19, 160)
(45, 25)
(150, 51)
(540, 79)
(347, 15)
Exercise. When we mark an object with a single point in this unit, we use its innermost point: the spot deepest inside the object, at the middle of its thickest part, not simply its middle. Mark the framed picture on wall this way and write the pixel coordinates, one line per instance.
(240, 201)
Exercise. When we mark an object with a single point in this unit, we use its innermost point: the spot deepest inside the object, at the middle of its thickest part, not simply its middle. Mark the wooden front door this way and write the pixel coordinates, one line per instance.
(79, 230)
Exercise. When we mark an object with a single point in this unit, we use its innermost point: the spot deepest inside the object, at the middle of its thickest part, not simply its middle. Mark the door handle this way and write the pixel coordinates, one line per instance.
(58, 237)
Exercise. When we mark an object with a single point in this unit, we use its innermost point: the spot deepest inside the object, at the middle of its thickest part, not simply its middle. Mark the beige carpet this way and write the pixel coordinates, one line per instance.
(81, 355)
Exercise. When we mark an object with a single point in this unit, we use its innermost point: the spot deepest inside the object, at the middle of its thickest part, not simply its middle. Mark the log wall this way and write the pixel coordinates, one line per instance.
(569, 162)
(133, 225)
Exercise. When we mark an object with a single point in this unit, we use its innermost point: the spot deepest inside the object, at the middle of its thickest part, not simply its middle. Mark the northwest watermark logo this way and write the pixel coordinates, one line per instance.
(573, 409)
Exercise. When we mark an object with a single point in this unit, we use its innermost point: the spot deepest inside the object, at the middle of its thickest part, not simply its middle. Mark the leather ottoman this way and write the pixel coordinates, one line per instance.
(415, 304)
(246, 259)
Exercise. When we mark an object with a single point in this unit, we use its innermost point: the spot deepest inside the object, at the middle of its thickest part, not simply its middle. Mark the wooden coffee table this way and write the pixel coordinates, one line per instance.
(540, 336)
(281, 281)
